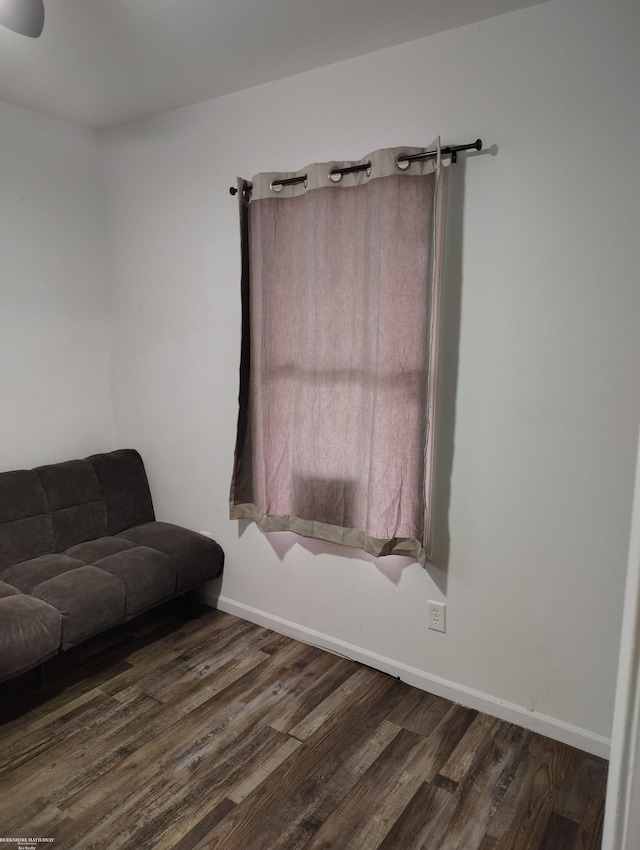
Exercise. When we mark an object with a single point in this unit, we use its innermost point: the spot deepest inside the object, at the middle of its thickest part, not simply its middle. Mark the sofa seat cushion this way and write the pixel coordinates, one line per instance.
(94, 550)
(198, 558)
(29, 635)
(90, 600)
(147, 575)
(8, 590)
(30, 574)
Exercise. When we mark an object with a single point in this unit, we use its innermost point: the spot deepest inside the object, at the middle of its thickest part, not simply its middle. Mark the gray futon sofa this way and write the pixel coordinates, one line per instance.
(80, 551)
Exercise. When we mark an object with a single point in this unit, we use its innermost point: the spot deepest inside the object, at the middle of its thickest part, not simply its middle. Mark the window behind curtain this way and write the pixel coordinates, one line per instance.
(340, 299)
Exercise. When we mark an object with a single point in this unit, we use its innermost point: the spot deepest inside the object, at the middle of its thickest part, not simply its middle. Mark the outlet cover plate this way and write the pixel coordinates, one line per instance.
(438, 616)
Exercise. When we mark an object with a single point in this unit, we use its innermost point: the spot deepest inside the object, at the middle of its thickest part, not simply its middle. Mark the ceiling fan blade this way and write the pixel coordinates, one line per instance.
(23, 16)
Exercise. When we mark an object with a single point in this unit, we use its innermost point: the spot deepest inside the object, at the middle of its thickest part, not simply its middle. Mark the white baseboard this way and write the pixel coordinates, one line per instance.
(574, 736)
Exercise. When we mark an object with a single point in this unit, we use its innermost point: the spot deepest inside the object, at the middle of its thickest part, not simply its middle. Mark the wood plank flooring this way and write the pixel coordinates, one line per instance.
(216, 733)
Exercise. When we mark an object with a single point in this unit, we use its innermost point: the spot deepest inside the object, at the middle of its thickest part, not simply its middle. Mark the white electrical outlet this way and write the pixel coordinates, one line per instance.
(438, 616)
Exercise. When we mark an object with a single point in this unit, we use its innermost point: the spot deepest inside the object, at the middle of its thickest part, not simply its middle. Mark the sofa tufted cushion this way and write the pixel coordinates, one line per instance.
(68, 484)
(31, 573)
(29, 635)
(124, 487)
(21, 495)
(90, 600)
(94, 550)
(24, 539)
(8, 590)
(25, 526)
(198, 558)
(148, 576)
(75, 502)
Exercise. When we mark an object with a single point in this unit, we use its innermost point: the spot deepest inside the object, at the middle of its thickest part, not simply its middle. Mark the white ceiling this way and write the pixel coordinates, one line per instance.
(105, 62)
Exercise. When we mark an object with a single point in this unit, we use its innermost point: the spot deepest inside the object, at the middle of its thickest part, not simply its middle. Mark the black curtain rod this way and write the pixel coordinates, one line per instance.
(449, 150)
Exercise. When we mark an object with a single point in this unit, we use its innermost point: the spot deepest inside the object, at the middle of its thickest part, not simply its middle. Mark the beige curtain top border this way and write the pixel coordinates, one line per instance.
(383, 164)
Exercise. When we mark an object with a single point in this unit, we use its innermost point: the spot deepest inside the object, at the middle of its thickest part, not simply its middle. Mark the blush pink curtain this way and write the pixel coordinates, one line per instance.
(340, 297)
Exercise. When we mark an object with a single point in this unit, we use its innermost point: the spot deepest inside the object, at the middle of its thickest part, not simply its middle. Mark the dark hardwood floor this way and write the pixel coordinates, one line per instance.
(216, 733)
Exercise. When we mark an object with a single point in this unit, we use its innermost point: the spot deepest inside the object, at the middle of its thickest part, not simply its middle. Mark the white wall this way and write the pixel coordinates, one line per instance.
(541, 350)
(55, 372)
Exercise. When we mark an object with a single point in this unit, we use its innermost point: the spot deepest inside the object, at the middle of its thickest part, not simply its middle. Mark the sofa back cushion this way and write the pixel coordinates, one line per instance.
(26, 530)
(125, 489)
(51, 508)
(76, 506)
